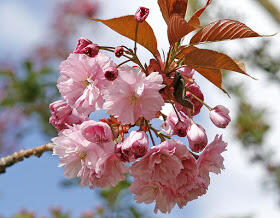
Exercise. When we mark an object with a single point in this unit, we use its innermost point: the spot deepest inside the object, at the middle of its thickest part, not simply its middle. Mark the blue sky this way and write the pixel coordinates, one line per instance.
(34, 183)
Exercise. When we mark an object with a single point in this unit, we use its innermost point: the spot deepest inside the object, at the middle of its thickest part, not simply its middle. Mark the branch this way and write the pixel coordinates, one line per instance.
(271, 8)
(19, 156)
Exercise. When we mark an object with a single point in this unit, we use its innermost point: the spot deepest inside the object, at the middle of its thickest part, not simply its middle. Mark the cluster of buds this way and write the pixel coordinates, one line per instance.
(165, 171)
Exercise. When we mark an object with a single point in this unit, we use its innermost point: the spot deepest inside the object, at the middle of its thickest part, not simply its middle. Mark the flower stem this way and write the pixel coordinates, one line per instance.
(135, 39)
(158, 134)
(151, 136)
(206, 105)
(20, 155)
(123, 63)
(175, 111)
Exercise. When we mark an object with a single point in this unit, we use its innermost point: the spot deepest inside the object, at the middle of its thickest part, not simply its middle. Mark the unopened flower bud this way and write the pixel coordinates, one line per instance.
(119, 51)
(97, 132)
(135, 146)
(63, 115)
(82, 43)
(111, 73)
(197, 137)
(219, 115)
(91, 50)
(141, 14)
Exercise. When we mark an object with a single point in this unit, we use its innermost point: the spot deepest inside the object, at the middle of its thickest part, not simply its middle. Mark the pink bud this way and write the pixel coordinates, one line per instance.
(135, 146)
(197, 137)
(90, 50)
(220, 116)
(97, 132)
(111, 73)
(119, 51)
(141, 14)
(82, 43)
(63, 116)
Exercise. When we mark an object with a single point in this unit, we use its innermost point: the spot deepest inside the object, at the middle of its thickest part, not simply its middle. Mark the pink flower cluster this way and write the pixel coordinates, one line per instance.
(167, 172)
(88, 151)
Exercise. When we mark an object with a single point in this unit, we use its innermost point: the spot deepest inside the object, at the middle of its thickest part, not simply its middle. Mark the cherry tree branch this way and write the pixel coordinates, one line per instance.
(24, 153)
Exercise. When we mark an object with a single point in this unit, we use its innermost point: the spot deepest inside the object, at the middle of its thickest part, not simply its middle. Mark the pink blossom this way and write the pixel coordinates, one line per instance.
(188, 184)
(197, 137)
(119, 51)
(133, 95)
(82, 43)
(192, 89)
(108, 171)
(150, 191)
(82, 80)
(173, 127)
(211, 159)
(220, 116)
(167, 175)
(161, 163)
(141, 14)
(63, 115)
(135, 146)
(94, 162)
(111, 73)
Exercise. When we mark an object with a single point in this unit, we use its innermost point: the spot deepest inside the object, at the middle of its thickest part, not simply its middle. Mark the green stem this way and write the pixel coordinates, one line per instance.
(151, 136)
(206, 105)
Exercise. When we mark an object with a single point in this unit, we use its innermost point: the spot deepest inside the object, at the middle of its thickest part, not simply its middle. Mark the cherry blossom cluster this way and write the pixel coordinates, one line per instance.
(102, 152)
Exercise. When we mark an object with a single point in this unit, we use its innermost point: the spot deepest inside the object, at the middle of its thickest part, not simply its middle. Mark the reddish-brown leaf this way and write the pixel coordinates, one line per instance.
(178, 7)
(169, 7)
(183, 50)
(126, 26)
(178, 28)
(223, 30)
(164, 8)
(213, 75)
(210, 63)
(211, 59)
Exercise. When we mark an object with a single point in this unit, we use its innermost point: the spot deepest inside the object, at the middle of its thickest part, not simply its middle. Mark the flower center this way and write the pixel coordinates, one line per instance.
(88, 82)
(133, 99)
(83, 155)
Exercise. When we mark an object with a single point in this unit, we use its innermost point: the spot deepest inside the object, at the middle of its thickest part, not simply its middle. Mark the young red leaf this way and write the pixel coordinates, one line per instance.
(209, 63)
(178, 28)
(126, 26)
(210, 59)
(223, 30)
(178, 7)
(164, 8)
(170, 7)
(213, 75)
